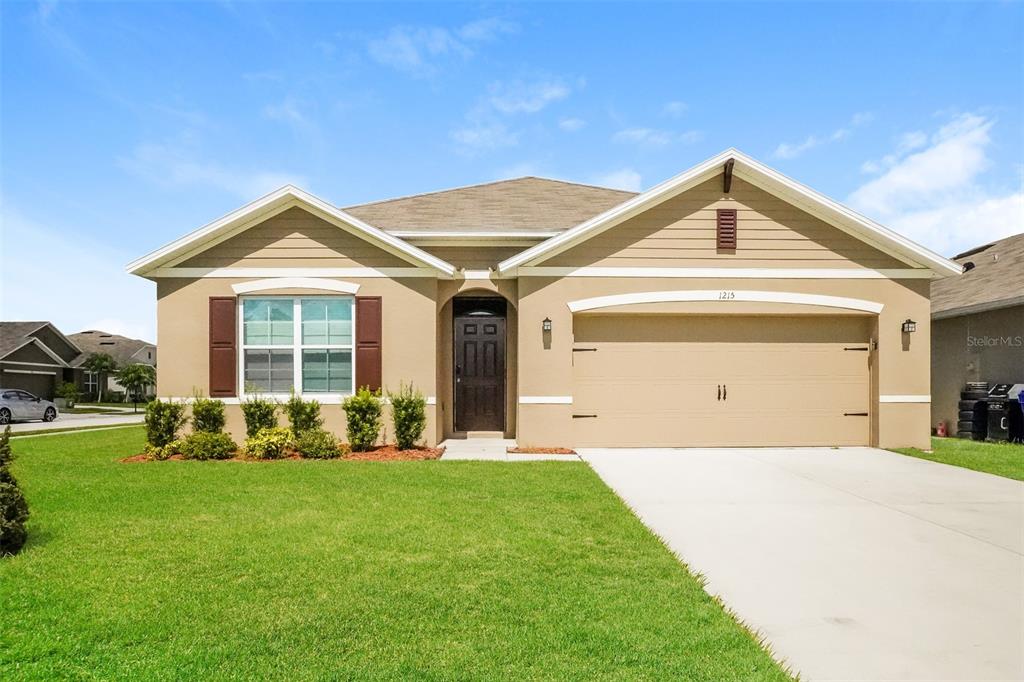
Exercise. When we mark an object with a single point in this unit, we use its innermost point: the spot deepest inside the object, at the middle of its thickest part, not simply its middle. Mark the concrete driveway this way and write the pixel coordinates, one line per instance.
(854, 563)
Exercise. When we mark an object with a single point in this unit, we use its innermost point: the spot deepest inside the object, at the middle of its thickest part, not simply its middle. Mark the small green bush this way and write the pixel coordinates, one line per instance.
(317, 444)
(207, 445)
(363, 414)
(207, 415)
(13, 507)
(303, 415)
(162, 452)
(260, 413)
(270, 443)
(69, 391)
(163, 420)
(409, 415)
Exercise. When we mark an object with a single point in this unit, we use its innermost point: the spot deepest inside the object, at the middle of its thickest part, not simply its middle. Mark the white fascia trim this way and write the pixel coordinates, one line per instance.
(296, 283)
(545, 400)
(904, 398)
(242, 273)
(725, 273)
(768, 179)
(481, 235)
(319, 397)
(280, 199)
(27, 371)
(60, 361)
(725, 297)
(27, 364)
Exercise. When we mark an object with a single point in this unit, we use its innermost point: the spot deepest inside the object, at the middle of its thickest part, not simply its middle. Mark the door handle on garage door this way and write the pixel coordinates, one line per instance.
(725, 392)
(719, 391)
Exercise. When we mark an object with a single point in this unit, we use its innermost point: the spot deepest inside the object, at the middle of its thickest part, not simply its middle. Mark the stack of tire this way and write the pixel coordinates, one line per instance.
(972, 421)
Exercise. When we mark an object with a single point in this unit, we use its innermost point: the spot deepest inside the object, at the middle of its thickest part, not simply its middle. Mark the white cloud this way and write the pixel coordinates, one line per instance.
(78, 285)
(930, 189)
(675, 109)
(788, 150)
(477, 138)
(175, 165)
(418, 49)
(290, 112)
(652, 137)
(571, 125)
(520, 97)
(623, 178)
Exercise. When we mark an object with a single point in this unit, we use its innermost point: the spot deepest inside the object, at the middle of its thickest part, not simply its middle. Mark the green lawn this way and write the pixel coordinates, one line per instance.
(1001, 459)
(342, 570)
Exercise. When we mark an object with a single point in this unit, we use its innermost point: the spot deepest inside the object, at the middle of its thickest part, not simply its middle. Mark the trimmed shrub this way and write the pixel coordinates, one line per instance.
(13, 506)
(317, 444)
(207, 415)
(362, 412)
(409, 415)
(303, 415)
(69, 392)
(260, 413)
(208, 445)
(163, 420)
(162, 452)
(271, 443)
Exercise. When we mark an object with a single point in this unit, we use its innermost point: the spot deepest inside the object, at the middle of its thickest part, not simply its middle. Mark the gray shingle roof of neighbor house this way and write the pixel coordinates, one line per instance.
(996, 280)
(121, 348)
(527, 204)
(15, 334)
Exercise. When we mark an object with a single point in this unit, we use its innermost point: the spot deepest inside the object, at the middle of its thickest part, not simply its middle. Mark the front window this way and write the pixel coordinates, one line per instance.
(91, 382)
(300, 344)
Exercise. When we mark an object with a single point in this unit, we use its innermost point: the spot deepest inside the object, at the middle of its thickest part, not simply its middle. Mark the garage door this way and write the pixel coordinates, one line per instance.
(41, 385)
(679, 381)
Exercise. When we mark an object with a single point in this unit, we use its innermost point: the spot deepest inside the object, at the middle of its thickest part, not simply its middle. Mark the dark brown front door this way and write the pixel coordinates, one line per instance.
(479, 373)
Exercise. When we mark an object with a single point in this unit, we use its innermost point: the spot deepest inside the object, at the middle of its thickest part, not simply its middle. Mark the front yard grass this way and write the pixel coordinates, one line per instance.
(343, 570)
(1001, 459)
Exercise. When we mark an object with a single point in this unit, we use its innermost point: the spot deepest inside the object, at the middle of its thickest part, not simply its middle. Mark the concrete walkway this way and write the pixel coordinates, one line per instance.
(78, 421)
(855, 563)
(493, 450)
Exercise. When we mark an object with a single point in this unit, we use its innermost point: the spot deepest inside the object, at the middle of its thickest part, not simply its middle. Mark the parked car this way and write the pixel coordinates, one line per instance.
(18, 405)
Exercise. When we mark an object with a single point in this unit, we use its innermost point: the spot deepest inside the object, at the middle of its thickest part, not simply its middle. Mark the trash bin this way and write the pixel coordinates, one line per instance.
(1000, 410)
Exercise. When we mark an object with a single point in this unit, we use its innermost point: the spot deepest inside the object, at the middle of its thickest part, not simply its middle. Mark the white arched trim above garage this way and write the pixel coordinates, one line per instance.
(725, 296)
(314, 283)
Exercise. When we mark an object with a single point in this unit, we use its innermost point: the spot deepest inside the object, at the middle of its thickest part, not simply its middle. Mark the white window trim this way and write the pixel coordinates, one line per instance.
(296, 347)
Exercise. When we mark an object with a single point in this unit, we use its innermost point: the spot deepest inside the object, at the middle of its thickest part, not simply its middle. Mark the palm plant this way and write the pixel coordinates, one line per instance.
(100, 364)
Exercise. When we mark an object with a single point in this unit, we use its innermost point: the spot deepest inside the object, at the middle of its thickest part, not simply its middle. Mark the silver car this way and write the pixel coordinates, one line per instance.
(18, 405)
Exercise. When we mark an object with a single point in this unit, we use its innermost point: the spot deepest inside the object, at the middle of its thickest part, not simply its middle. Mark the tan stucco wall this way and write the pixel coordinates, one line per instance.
(409, 342)
(985, 346)
(545, 365)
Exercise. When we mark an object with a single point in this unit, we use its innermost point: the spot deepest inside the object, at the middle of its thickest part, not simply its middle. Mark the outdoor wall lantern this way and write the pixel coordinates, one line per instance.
(909, 326)
(546, 324)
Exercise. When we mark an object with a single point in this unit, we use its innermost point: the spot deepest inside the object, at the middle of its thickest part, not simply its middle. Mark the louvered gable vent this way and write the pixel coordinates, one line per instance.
(726, 228)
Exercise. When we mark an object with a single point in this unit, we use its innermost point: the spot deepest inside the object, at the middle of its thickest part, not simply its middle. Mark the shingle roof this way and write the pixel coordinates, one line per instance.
(995, 281)
(13, 334)
(121, 348)
(526, 204)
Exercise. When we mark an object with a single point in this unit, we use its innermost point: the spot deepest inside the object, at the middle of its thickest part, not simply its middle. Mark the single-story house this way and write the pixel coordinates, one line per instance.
(125, 351)
(35, 357)
(978, 324)
(728, 305)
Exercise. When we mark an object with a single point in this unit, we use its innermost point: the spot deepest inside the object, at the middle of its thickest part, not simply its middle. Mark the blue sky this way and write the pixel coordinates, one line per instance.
(127, 125)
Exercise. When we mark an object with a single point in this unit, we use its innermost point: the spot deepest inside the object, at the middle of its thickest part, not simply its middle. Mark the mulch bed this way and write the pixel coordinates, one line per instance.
(381, 453)
(391, 453)
(541, 451)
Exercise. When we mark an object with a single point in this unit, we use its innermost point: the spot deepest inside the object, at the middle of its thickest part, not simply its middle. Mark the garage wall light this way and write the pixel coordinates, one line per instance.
(546, 324)
(909, 326)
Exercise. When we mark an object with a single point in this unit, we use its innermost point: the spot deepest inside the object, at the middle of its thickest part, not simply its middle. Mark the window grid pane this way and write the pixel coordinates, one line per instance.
(327, 322)
(270, 371)
(267, 322)
(327, 371)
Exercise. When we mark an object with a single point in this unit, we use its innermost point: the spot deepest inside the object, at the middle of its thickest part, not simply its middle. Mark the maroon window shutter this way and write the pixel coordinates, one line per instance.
(223, 359)
(369, 323)
(726, 228)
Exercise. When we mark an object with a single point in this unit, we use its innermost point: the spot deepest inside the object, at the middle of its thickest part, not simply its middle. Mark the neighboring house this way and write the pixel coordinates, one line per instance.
(124, 350)
(978, 324)
(35, 357)
(728, 305)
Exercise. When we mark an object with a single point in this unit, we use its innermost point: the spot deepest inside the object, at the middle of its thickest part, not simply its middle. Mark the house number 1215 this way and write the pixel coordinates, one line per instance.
(726, 295)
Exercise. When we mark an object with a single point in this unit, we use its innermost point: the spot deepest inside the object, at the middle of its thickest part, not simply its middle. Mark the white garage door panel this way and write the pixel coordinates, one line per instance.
(654, 381)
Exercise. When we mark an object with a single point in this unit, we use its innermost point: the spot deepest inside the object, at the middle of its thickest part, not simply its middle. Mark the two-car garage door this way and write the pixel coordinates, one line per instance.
(679, 381)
